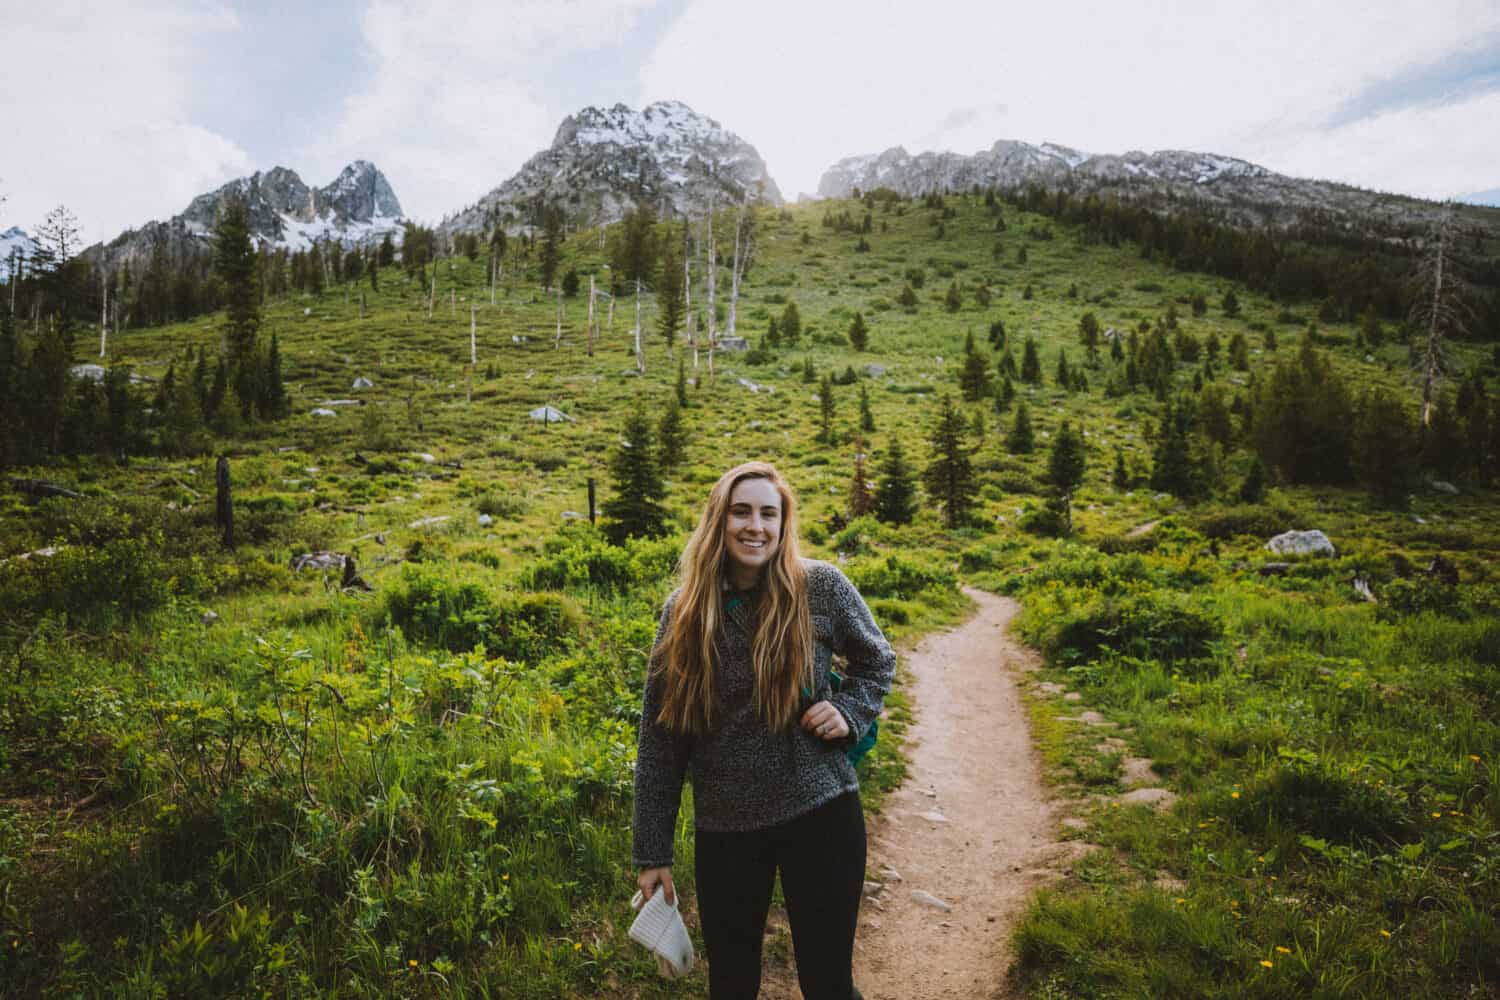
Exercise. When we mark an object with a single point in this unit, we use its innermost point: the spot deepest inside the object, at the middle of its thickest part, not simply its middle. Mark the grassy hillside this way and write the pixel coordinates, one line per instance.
(425, 789)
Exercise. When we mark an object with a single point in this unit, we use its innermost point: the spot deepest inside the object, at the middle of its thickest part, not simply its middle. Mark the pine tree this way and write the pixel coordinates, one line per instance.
(866, 418)
(809, 373)
(1007, 365)
(682, 396)
(1031, 364)
(1064, 376)
(1021, 439)
(272, 404)
(1253, 489)
(1120, 478)
(1005, 395)
(949, 477)
(1065, 471)
(895, 500)
(997, 335)
(791, 325)
(669, 298)
(1385, 445)
(1239, 352)
(908, 298)
(825, 409)
(672, 435)
(953, 301)
(974, 376)
(1231, 304)
(12, 374)
(1175, 467)
(235, 267)
(861, 502)
(551, 249)
(859, 333)
(635, 510)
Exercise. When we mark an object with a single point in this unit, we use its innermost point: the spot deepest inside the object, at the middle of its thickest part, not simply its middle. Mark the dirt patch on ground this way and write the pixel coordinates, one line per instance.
(971, 829)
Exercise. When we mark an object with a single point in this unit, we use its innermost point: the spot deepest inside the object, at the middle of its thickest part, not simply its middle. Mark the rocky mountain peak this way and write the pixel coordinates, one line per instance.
(605, 161)
(358, 207)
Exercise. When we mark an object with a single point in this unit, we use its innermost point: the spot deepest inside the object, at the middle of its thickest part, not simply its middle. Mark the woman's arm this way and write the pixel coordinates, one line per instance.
(661, 760)
(871, 661)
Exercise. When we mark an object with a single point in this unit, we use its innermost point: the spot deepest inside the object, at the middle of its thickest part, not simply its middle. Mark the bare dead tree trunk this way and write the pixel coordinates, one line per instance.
(432, 291)
(1440, 312)
(104, 315)
(1430, 356)
(473, 342)
(591, 315)
(494, 274)
(640, 357)
(453, 302)
(713, 308)
(610, 329)
(741, 258)
(687, 293)
(557, 340)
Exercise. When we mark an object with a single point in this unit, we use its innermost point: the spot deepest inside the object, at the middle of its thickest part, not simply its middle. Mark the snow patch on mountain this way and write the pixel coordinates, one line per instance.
(605, 161)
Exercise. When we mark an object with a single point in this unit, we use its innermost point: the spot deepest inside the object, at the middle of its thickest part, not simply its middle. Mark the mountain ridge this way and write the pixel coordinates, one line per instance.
(1166, 180)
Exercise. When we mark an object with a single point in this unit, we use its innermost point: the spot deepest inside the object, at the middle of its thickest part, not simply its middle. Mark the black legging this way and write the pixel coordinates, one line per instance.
(821, 856)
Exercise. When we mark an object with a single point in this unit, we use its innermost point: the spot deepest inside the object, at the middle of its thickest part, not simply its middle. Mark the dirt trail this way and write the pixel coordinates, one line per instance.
(971, 826)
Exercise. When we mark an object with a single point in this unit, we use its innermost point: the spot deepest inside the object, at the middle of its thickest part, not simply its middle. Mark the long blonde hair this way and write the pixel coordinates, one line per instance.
(781, 652)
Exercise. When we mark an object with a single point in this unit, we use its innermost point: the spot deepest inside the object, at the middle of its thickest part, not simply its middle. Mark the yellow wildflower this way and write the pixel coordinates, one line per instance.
(1384, 932)
(1437, 815)
(1284, 951)
(577, 945)
(1234, 795)
(1179, 901)
(412, 962)
(1267, 963)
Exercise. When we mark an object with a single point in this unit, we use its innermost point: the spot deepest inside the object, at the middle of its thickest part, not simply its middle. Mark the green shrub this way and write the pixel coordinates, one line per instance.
(1249, 519)
(898, 576)
(1418, 595)
(1150, 626)
(460, 616)
(1321, 802)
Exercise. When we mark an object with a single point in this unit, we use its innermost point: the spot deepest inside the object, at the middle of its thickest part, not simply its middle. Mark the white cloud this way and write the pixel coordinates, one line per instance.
(458, 97)
(811, 83)
(94, 115)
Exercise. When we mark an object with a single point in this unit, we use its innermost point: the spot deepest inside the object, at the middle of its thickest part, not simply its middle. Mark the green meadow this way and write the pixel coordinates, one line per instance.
(424, 789)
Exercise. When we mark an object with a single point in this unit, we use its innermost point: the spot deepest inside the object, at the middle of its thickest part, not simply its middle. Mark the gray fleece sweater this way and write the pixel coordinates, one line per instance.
(744, 776)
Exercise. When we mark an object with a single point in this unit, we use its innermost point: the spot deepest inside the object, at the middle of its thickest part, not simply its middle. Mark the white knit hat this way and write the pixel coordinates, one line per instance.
(658, 926)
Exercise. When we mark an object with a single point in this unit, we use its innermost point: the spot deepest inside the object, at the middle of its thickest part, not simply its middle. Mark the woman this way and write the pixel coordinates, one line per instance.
(738, 696)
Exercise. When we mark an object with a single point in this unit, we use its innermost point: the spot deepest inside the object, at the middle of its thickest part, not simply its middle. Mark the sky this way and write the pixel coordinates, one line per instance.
(125, 111)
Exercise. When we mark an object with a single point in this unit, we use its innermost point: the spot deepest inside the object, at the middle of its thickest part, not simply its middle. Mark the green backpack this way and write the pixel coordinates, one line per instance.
(866, 743)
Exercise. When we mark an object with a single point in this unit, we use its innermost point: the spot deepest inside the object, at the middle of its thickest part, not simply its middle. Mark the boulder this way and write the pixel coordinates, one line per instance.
(548, 415)
(362, 383)
(317, 560)
(733, 344)
(873, 370)
(1301, 543)
(1444, 487)
(324, 411)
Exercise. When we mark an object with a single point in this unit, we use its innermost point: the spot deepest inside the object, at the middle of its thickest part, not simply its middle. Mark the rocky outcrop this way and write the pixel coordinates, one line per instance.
(1167, 180)
(605, 161)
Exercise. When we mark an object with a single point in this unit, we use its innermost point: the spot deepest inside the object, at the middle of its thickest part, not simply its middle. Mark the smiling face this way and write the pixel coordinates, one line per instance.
(752, 530)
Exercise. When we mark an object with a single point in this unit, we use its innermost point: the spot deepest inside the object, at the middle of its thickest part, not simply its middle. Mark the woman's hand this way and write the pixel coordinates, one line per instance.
(651, 878)
(825, 722)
